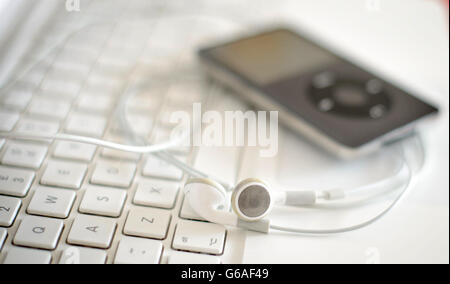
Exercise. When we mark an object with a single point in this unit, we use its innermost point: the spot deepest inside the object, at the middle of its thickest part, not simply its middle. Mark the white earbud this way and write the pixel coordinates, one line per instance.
(251, 200)
(209, 200)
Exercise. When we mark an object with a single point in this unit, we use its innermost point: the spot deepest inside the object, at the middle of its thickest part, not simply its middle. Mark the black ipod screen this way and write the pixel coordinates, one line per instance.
(340, 99)
(267, 58)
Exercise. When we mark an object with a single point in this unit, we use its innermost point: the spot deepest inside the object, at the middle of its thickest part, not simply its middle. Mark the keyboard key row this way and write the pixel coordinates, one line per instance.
(98, 232)
(130, 251)
(16, 182)
(71, 174)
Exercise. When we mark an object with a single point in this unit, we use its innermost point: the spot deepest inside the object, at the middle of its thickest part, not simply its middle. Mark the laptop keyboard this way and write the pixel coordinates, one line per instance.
(66, 202)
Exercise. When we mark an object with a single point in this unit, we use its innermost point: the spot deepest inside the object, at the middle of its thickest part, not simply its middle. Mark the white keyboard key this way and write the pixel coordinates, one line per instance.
(59, 86)
(24, 155)
(119, 174)
(80, 255)
(71, 78)
(103, 201)
(77, 63)
(188, 213)
(147, 223)
(47, 107)
(17, 99)
(156, 193)
(74, 151)
(3, 235)
(145, 102)
(37, 73)
(9, 207)
(183, 94)
(92, 231)
(8, 120)
(107, 81)
(71, 55)
(16, 255)
(15, 182)
(51, 202)
(158, 168)
(138, 251)
(199, 237)
(192, 258)
(94, 88)
(39, 232)
(64, 174)
(115, 61)
(96, 103)
(37, 126)
(66, 65)
(86, 124)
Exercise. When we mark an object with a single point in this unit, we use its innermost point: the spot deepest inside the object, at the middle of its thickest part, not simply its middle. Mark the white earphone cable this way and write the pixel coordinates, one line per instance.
(372, 191)
(358, 226)
(90, 140)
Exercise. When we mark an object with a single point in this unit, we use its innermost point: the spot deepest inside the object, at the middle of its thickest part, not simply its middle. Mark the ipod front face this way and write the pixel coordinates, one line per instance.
(341, 100)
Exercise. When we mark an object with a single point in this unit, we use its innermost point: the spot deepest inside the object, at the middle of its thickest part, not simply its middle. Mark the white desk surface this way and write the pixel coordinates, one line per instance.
(405, 40)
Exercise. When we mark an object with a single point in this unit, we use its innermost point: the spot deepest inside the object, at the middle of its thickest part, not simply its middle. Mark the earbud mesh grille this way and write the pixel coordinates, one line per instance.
(254, 201)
